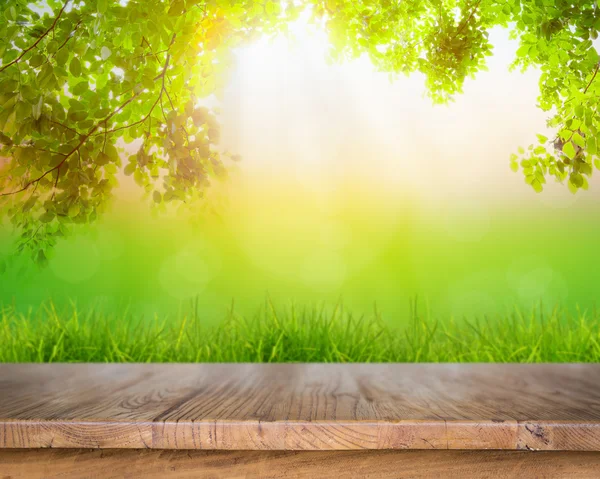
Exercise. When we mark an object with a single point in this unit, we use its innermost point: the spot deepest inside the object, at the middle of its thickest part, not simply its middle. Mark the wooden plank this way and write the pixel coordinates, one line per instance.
(300, 406)
(118, 463)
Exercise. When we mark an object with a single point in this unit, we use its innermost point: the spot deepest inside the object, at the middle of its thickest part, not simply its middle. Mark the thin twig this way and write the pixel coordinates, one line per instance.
(593, 77)
(65, 127)
(56, 182)
(71, 35)
(466, 22)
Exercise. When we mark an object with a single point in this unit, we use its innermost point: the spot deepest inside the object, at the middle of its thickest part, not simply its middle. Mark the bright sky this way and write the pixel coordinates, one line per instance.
(290, 114)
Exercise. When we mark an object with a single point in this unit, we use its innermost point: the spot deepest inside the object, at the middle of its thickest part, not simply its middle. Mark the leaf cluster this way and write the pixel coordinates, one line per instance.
(79, 81)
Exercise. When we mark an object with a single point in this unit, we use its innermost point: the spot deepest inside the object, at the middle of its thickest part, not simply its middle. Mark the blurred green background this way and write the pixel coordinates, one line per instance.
(352, 189)
(465, 260)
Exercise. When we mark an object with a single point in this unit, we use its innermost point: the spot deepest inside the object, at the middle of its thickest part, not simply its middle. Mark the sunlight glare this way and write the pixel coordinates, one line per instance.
(295, 117)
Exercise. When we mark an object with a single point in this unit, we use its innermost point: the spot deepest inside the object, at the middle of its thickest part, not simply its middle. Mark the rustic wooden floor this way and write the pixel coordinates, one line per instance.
(301, 407)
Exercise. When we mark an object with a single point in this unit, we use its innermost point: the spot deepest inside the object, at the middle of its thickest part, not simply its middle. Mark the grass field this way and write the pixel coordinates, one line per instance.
(295, 334)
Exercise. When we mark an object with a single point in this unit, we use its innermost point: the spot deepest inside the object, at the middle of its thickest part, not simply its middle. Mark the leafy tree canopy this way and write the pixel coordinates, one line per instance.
(80, 78)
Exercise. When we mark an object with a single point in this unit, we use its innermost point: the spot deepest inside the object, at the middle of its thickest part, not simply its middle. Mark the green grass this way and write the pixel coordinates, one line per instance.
(297, 335)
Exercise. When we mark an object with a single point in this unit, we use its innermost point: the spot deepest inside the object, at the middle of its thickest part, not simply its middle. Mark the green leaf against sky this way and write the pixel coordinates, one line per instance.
(77, 77)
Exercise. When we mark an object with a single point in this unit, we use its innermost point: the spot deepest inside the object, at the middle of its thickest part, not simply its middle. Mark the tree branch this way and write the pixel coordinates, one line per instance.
(24, 52)
(56, 182)
(466, 22)
(71, 35)
(106, 132)
(92, 130)
(31, 237)
(64, 126)
(182, 126)
(593, 78)
(75, 149)
(158, 99)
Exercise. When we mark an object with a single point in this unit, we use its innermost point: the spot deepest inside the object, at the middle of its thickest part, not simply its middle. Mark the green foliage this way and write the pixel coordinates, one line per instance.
(558, 39)
(80, 80)
(297, 335)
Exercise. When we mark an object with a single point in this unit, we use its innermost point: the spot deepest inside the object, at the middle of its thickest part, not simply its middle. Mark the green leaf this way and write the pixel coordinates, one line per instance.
(47, 217)
(157, 196)
(592, 146)
(41, 258)
(62, 56)
(102, 113)
(22, 111)
(565, 134)
(537, 186)
(74, 210)
(585, 185)
(569, 150)
(52, 46)
(177, 7)
(75, 67)
(46, 76)
(129, 169)
(11, 13)
(30, 203)
(5, 140)
(77, 115)
(37, 108)
(576, 179)
(572, 188)
(578, 140)
(102, 159)
(112, 152)
(55, 161)
(585, 168)
(37, 60)
(80, 88)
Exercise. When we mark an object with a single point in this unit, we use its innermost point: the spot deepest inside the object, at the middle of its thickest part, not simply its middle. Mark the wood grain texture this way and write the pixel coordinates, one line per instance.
(155, 464)
(300, 406)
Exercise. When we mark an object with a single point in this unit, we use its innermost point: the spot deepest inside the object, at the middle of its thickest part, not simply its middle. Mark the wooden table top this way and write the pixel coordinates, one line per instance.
(300, 406)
